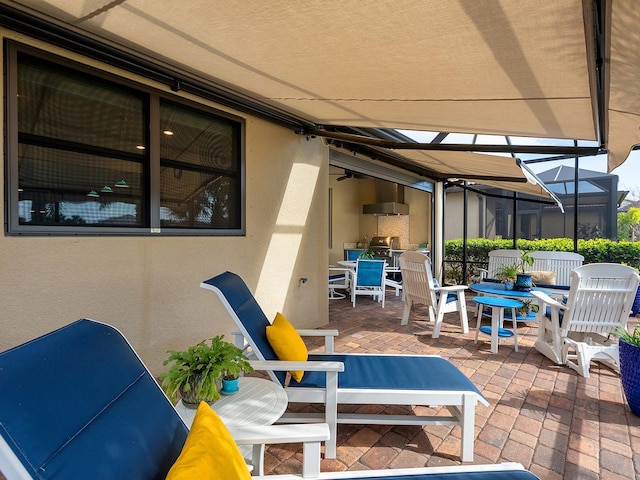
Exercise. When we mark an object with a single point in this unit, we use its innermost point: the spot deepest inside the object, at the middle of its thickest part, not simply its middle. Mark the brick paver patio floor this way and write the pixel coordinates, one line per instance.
(547, 417)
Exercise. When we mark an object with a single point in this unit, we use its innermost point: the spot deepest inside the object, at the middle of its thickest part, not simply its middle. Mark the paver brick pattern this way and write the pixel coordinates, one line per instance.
(545, 416)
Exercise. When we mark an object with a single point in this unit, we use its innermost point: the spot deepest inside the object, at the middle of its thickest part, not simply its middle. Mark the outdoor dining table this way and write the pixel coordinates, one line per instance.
(499, 290)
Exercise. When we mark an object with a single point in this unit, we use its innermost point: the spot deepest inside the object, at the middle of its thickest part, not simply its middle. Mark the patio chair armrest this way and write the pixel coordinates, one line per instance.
(279, 366)
(310, 435)
(286, 433)
(335, 268)
(327, 334)
(451, 288)
(483, 272)
(308, 332)
(551, 302)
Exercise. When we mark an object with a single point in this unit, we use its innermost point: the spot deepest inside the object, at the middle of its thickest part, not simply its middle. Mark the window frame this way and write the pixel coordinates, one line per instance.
(153, 99)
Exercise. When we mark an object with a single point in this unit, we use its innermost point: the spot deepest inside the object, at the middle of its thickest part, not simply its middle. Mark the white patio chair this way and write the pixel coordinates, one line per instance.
(368, 279)
(599, 303)
(339, 278)
(498, 259)
(420, 288)
(562, 263)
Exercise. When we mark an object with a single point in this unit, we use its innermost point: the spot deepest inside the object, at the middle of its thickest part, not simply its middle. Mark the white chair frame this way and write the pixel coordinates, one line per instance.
(562, 263)
(374, 291)
(342, 281)
(419, 289)
(599, 303)
(498, 259)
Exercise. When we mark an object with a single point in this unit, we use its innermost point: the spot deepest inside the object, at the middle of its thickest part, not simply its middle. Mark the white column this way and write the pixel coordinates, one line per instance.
(437, 249)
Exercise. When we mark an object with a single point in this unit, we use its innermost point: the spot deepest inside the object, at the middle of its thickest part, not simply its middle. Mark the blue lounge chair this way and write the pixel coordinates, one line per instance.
(78, 403)
(333, 379)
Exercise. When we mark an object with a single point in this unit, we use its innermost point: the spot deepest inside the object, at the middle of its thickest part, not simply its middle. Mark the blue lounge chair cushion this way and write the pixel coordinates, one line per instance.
(80, 398)
(360, 371)
(391, 372)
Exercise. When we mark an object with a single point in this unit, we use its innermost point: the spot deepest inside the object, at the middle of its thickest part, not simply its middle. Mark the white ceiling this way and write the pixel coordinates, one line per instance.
(510, 67)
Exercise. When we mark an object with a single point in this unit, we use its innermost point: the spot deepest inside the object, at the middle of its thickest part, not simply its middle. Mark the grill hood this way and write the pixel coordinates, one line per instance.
(389, 200)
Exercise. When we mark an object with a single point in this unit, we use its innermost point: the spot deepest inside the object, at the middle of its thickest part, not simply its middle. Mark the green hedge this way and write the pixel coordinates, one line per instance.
(594, 251)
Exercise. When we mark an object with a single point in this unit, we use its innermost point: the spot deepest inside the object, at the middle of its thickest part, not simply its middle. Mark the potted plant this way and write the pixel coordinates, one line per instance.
(196, 373)
(507, 275)
(231, 375)
(367, 254)
(523, 279)
(629, 350)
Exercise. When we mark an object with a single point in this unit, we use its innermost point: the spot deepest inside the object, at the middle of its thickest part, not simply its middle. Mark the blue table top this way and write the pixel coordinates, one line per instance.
(499, 302)
(498, 289)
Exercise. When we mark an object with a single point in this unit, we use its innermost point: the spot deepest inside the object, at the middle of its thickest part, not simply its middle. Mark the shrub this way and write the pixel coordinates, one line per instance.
(598, 250)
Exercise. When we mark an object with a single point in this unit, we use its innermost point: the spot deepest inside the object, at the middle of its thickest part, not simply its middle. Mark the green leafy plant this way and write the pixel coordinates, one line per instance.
(525, 259)
(633, 337)
(508, 273)
(527, 306)
(199, 369)
(367, 254)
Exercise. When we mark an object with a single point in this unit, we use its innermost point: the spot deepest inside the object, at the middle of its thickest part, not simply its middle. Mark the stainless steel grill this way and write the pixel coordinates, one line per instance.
(382, 246)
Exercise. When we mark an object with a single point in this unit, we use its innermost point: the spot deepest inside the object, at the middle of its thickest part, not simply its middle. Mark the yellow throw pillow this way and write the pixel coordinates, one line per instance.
(209, 453)
(546, 277)
(287, 343)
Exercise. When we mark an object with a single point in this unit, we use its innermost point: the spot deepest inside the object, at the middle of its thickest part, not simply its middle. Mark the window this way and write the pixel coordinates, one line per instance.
(94, 155)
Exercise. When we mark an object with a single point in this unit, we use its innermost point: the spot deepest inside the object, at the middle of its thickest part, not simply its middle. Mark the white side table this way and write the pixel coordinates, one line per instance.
(257, 402)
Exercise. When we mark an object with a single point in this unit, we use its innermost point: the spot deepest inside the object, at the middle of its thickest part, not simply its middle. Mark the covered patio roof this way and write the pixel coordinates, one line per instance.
(566, 69)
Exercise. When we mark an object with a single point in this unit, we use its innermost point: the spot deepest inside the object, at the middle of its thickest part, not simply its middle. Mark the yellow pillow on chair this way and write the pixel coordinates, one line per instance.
(209, 453)
(287, 343)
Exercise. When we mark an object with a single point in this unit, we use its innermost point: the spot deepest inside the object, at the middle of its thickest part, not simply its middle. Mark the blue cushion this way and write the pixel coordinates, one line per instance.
(451, 296)
(404, 372)
(77, 403)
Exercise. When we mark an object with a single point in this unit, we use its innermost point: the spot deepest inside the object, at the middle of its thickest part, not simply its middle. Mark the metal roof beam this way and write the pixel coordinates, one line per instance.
(455, 147)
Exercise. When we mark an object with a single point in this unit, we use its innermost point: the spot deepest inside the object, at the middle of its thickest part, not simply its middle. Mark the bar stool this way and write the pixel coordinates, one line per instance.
(496, 330)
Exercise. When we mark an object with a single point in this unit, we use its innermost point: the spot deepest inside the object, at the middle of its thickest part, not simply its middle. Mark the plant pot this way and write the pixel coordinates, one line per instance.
(635, 308)
(192, 399)
(229, 387)
(524, 283)
(508, 285)
(630, 374)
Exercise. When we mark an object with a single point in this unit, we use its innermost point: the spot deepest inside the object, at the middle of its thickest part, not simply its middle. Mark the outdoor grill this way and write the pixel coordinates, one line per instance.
(382, 246)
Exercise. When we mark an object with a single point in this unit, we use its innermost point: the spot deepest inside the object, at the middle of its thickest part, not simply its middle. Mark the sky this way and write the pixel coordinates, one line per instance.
(628, 173)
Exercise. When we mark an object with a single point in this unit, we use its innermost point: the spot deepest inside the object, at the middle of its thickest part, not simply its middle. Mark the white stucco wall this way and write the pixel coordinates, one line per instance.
(148, 287)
